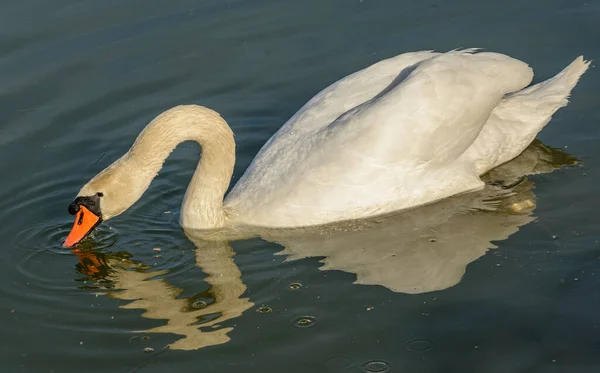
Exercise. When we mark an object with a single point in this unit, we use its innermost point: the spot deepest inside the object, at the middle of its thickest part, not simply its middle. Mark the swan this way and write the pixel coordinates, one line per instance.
(412, 251)
(407, 131)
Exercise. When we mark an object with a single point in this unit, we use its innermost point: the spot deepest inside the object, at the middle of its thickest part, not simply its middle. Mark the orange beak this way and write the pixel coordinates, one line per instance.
(85, 222)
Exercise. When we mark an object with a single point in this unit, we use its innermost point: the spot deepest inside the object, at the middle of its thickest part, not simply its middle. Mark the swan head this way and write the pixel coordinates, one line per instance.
(108, 194)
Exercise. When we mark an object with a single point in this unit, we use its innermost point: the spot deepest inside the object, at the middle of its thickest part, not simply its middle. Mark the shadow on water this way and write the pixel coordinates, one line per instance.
(414, 251)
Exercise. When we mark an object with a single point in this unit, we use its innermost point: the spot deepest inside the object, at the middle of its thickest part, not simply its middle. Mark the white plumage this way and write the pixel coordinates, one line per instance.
(406, 131)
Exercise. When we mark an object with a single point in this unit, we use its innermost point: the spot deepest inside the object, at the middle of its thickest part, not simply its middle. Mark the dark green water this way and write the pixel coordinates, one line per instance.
(80, 79)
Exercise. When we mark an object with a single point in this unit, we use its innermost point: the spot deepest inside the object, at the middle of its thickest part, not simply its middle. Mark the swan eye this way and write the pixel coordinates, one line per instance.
(100, 194)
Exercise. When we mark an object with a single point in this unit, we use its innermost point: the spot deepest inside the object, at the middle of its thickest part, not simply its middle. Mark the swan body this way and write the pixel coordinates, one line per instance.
(396, 135)
(406, 131)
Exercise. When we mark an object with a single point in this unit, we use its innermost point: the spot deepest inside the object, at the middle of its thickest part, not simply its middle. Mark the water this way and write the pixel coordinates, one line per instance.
(418, 292)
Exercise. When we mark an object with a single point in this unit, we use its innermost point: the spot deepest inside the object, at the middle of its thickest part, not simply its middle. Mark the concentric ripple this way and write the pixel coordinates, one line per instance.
(49, 238)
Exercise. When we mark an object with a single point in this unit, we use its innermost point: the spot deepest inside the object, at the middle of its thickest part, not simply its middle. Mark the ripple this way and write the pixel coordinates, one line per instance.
(44, 265)
(376, 366)
(419, 345)
(49, 238)
(339, 363)
(199, 304)
(264, 309)
(304, 322)
(295, 286)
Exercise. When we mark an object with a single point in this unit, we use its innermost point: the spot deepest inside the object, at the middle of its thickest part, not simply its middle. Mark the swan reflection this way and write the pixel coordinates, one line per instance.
(418, 250)
(428, 248)
(196, 318)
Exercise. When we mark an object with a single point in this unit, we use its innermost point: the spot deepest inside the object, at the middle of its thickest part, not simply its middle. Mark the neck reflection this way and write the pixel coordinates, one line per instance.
(196, 318)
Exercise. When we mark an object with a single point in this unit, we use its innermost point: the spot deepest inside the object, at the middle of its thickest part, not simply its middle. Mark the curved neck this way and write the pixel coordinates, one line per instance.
(202, 206)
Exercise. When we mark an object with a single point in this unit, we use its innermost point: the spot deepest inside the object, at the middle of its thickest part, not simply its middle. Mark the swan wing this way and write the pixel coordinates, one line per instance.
(321, 110)
(433, 113)
(397, 149)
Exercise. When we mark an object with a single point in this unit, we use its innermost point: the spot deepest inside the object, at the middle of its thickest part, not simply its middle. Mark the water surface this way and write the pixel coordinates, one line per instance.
(503, 281)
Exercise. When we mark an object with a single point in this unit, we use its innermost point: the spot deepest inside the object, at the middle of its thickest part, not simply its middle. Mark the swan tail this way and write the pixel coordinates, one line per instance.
(520, 116)
(552, 94)
(529, 110)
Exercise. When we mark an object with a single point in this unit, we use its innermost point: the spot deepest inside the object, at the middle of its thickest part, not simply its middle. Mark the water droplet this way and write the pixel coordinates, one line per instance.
(419, 345)
(376, 366)
(295, 286)
(304, 322)
(264, 309)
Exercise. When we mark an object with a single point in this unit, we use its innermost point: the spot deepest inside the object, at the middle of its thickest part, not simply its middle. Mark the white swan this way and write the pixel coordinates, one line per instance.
(406, 131)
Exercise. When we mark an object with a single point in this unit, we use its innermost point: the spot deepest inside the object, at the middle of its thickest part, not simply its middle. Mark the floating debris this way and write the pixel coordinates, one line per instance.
(148, 349)
(156, 249)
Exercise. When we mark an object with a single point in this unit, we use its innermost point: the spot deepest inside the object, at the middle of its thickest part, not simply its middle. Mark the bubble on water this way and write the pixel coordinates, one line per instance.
(419, 345)
(376, 366)
(264, 309)
(295, 286)
(304, 322)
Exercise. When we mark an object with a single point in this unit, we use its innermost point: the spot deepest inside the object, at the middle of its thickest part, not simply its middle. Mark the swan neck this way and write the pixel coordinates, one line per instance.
(202, 206)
